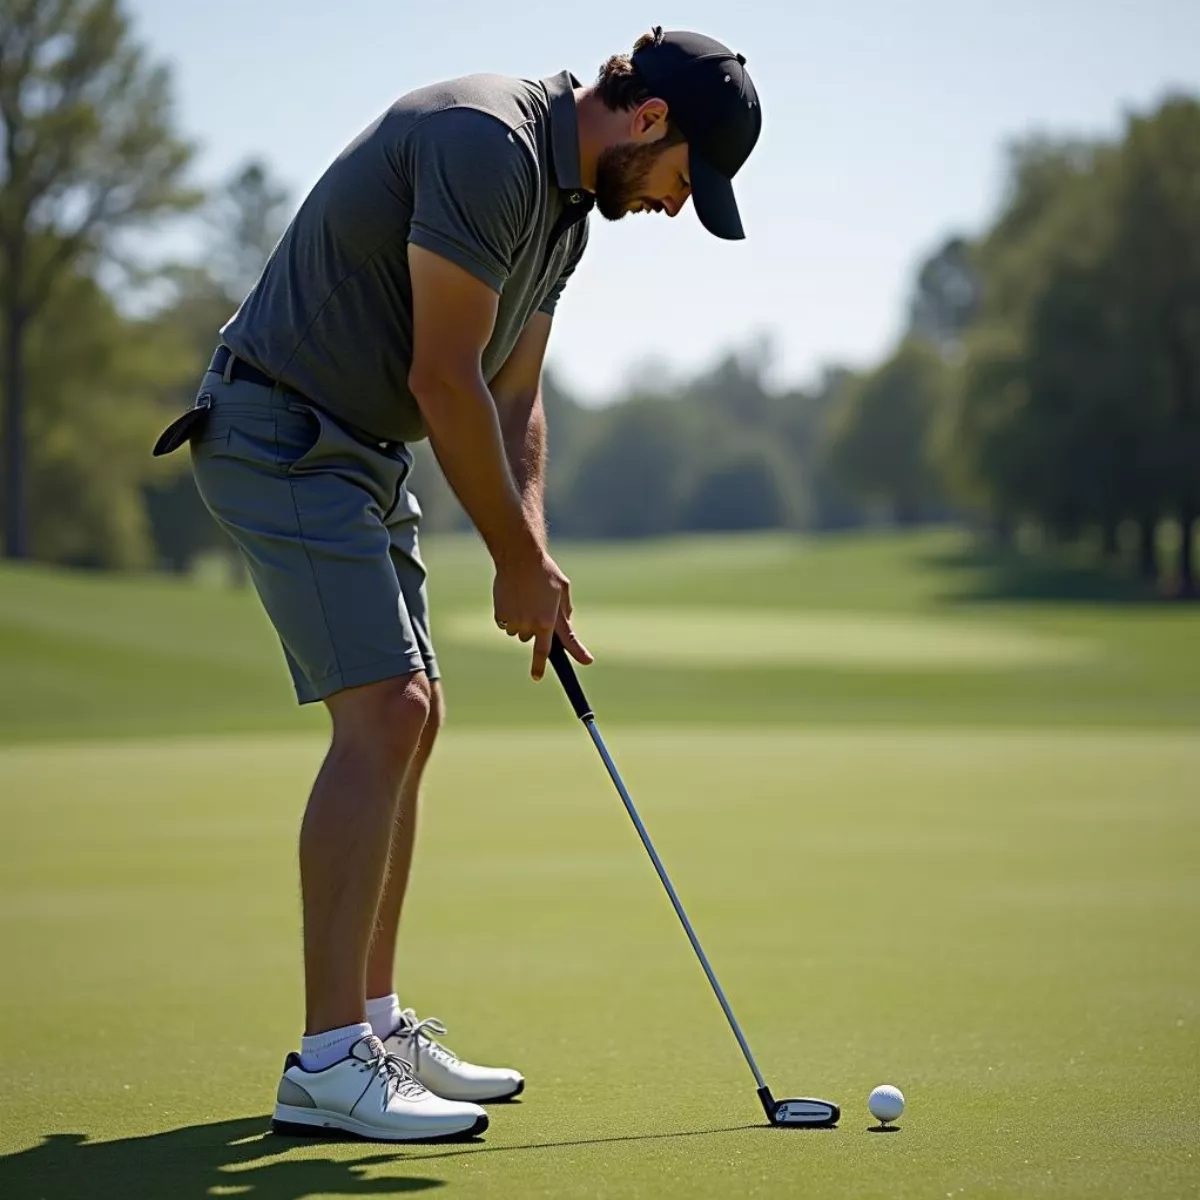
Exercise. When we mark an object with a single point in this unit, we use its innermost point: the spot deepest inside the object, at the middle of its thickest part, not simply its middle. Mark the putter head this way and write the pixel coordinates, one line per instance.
(799, 1113)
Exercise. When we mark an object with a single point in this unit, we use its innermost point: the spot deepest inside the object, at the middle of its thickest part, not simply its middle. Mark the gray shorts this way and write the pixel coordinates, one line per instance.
(329, 531)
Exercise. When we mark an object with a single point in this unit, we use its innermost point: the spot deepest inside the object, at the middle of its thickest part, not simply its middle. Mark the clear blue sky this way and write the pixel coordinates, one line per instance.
(884, 127)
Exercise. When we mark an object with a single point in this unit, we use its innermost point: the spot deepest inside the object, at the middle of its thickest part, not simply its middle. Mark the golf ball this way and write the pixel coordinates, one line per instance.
(886, 1102)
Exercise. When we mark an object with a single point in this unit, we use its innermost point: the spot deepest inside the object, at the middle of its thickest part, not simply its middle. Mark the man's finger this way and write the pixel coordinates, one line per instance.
(541, 652)
(564, 601)
(571, 643)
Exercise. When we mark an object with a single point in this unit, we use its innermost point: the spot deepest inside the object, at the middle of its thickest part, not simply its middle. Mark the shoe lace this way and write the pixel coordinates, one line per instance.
(418, 1031)
(397, 1075)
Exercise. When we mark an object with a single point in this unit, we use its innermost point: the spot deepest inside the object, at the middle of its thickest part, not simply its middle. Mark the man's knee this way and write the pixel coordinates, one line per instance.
(437, 714)
(387, 718)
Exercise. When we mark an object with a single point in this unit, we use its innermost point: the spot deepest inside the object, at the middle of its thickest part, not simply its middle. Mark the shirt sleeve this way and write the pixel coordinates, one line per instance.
(474, 191)
(551, 301)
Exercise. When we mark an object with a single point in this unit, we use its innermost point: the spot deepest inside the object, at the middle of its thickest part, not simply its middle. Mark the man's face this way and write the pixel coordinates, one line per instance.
(642, 176)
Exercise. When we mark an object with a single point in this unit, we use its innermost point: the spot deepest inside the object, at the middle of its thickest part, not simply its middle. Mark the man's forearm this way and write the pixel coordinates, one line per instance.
(523, 423)
(467, 439)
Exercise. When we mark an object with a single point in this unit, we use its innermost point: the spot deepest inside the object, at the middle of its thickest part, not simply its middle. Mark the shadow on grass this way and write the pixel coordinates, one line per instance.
(198, 1162)
(239, 1158)
(596, 1141)
(987, 573)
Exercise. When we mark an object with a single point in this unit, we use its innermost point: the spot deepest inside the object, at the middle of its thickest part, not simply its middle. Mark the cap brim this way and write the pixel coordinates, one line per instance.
(713, 197)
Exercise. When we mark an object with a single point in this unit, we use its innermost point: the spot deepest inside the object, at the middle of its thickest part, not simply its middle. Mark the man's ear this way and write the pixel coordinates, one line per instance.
(651, 120)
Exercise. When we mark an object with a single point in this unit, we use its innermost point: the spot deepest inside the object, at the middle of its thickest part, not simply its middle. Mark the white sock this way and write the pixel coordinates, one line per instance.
(324, 1049)
(384, 1014)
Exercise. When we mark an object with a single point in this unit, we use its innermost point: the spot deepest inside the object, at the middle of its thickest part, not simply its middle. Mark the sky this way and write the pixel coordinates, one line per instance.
(884, 130)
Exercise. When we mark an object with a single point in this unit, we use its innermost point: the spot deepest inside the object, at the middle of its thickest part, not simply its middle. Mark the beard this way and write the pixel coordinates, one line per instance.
(621, 175)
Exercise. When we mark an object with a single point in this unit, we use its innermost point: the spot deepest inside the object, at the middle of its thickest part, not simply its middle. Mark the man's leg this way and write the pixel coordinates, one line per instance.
(442, 1072)
(345, 838)
(381, 962)
(352, 1083)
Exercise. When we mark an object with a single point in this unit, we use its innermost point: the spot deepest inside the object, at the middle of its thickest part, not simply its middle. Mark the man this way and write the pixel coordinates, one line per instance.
(412, 296)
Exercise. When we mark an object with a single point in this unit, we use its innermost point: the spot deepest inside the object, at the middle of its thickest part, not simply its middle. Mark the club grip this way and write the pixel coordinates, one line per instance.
(565, 671)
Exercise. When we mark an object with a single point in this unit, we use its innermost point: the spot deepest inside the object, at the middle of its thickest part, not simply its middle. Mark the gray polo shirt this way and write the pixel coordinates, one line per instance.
(483, 171)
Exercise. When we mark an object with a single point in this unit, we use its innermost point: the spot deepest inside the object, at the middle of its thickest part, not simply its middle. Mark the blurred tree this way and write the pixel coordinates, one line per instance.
(1154, 268)
(246, 216)
(1035, 223)
(996, 448)
(632, 478)
(736, 390)
(244, 219)
(801, 425)
(569, 428)
(879, 433)
(87, 152)
(93, 382)
(440, 509)
(972, 436)
(747, 484)
(1085, 420)
(181, 525)
(947, 297)
(1079, 404)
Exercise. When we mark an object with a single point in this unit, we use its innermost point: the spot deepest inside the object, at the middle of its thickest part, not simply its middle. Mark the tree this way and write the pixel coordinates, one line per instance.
(181, 525)
(632, 478)
(947, 297)
(88, 153)
(94, 384)
(1079, 402)
(736, 390)
(1155, 269)
(748, 484)
(973, 438)
(245, 218)
(879, 434)
(569, 430)
(1036, 221)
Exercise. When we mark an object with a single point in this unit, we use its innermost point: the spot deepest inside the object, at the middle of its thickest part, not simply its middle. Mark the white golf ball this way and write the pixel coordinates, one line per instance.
(886, 1102)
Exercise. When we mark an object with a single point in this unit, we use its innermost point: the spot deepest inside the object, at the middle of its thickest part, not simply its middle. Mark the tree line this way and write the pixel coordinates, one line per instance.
(1048, 377)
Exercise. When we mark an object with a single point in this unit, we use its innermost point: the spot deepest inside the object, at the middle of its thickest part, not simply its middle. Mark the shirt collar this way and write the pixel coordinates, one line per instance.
(564, 130)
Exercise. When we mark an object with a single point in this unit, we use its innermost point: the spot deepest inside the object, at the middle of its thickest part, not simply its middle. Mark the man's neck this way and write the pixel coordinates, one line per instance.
(595, 133)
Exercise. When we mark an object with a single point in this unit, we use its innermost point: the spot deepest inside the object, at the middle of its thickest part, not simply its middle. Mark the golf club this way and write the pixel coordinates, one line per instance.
(803, 1112)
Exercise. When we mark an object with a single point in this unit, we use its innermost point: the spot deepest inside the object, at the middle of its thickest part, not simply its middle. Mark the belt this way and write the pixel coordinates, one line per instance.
(225, 362)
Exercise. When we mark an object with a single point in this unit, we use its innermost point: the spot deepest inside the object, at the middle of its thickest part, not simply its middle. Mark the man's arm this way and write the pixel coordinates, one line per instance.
(517, 390)
(453, 317)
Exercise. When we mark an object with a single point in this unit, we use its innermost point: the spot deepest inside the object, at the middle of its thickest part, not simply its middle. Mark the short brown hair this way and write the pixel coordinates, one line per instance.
(621, 88)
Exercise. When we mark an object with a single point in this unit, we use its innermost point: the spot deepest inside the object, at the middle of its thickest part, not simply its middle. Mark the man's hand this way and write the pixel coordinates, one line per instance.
(532, 599)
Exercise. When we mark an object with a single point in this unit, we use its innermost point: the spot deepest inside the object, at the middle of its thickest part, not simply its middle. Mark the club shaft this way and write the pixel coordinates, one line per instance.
(590, 722)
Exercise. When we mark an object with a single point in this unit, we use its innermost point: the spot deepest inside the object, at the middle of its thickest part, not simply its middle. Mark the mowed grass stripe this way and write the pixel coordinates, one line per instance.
(714, 640)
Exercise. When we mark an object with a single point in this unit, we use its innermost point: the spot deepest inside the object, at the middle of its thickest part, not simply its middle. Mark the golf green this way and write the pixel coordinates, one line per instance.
(1003, 923)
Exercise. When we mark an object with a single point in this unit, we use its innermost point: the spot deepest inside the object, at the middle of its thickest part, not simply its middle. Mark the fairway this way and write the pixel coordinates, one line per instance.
(935, 814)
(1004, 924)
(759, 631)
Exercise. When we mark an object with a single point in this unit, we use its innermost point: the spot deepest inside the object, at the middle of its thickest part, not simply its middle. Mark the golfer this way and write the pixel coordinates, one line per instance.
(412, 297)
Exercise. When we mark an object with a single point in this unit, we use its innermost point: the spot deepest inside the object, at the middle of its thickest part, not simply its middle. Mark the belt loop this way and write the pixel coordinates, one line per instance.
(227, 374)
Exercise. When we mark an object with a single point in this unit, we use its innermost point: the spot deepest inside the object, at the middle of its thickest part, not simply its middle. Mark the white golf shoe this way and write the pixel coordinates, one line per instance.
(372, 1094)
(442, 1071)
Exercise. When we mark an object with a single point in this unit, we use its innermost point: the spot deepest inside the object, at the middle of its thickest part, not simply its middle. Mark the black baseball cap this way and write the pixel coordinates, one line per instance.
(711, 99)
